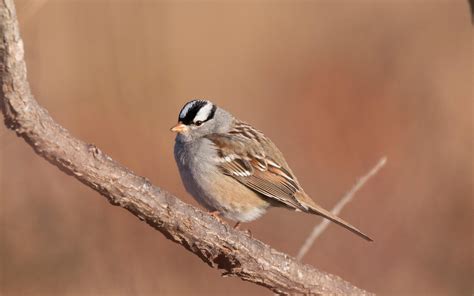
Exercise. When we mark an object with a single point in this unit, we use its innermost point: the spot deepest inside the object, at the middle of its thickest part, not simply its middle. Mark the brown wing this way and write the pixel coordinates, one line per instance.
(244, 154)
(247, 162)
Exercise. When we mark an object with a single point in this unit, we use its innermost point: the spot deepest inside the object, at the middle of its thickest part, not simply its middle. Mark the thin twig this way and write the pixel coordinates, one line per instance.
(319, 228)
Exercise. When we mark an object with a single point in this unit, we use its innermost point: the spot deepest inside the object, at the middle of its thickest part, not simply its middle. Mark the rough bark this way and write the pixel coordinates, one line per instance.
(217, 244)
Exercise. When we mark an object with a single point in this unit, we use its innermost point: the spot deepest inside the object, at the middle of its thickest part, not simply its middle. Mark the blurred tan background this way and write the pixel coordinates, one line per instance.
(336, 84)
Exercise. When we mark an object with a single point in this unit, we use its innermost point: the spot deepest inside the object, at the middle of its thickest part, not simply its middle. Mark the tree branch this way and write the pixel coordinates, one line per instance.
(220, 246)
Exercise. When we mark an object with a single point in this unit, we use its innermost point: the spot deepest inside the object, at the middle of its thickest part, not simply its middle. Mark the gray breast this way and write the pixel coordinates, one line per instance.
(197, 167)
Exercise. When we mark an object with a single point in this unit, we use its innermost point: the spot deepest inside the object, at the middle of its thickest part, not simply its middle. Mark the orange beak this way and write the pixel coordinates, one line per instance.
(179, 128)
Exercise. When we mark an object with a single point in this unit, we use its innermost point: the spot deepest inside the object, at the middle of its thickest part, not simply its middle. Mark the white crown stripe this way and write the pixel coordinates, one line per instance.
(203, 113)
(186, 109)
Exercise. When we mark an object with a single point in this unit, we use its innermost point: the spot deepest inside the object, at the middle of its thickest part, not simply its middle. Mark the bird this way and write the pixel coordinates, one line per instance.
(235, 171)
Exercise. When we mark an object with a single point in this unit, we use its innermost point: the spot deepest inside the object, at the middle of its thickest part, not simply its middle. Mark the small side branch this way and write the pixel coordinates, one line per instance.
(319, 228)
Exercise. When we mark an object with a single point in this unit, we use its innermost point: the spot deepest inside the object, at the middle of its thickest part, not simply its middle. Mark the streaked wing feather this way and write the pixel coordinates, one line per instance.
(247, 162)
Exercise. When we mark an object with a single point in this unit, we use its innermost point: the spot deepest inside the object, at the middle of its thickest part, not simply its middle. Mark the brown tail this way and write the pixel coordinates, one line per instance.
(315, 209)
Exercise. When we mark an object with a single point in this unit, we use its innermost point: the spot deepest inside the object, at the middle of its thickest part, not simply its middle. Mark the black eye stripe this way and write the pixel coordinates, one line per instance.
(211, 114)
(193, 110)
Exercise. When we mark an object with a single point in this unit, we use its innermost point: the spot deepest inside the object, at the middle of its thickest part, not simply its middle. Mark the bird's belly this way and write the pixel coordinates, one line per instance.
(218, 192)
(235, 201)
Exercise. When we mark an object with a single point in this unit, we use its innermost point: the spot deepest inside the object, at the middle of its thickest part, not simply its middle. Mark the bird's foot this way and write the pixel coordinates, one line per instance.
(247, 231)
(217, 215)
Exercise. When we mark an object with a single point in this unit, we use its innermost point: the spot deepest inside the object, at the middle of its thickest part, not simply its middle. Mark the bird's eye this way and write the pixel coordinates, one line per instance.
(198, 123)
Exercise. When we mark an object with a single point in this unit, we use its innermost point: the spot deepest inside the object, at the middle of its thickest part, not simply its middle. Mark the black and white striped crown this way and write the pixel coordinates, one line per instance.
(197, 112)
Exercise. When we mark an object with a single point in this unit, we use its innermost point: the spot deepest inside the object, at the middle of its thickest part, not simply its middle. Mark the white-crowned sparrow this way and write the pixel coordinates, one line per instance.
(232, 169)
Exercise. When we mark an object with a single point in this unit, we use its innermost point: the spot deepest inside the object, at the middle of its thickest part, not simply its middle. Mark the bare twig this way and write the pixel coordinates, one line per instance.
(319, 228)
(217, 244)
